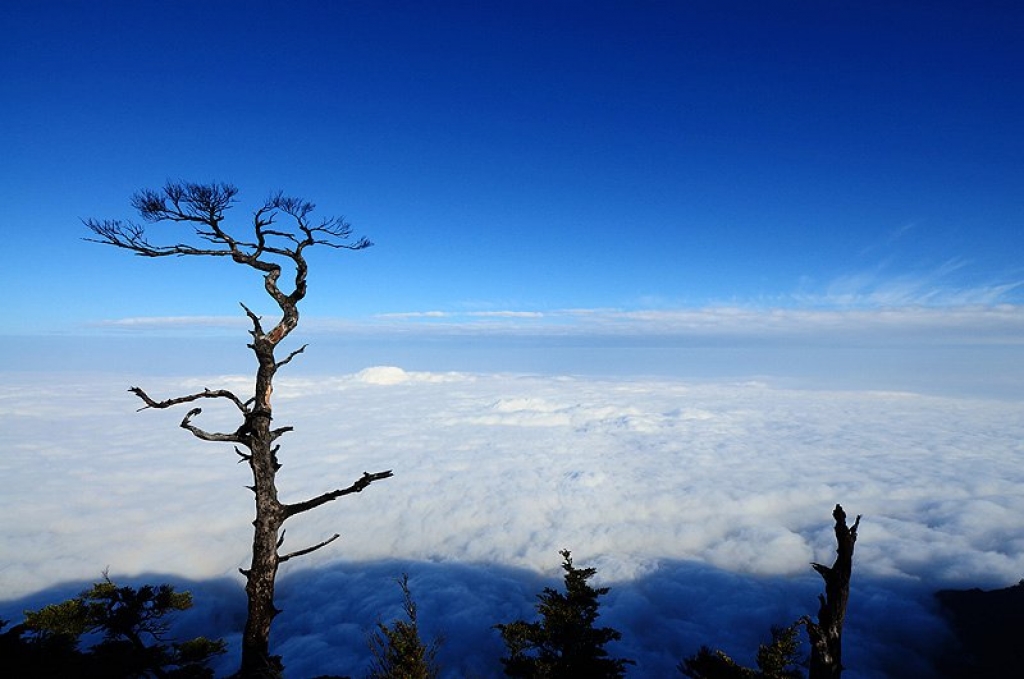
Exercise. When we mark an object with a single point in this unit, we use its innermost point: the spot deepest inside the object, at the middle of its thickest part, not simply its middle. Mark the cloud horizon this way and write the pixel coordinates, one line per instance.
(1003, 323)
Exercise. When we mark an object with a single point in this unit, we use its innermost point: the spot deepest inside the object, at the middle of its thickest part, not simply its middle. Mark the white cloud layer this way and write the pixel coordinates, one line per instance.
(700, 504)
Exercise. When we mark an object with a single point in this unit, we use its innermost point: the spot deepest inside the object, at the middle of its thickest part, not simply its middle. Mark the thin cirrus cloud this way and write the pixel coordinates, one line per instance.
(870, 305)
(144, 323)
(936, 287)
(700, 504)
(975, 322)
(865, 305)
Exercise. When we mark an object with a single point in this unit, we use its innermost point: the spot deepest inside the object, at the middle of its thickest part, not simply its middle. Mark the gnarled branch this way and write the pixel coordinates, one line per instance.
(287, 359)
(357, 487)
(276, 433)
(307, 550)
(257, 328)
(205, 393)
(186, 423)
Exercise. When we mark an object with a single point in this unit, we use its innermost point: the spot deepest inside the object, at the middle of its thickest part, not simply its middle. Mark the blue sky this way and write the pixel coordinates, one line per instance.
(526, 163)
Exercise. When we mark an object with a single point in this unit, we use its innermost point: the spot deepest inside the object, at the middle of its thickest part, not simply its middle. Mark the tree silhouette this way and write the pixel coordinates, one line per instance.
(397, 649)
(778, 659)
(826, 635)
(564, 644)
(276, 252)
(133, 624)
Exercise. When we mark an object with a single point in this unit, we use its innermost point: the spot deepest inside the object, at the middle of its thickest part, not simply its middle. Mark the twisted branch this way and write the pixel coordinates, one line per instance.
(205, 393)
(236, 437)
(365, 480)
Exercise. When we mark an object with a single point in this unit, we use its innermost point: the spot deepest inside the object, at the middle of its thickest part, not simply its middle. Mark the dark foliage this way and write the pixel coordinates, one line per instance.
(778, 659)
(130, 625)
(989, 627)
(397, 650)
(564, 643)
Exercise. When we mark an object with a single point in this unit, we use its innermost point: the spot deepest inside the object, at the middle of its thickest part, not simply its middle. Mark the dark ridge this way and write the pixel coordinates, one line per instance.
(989, 626)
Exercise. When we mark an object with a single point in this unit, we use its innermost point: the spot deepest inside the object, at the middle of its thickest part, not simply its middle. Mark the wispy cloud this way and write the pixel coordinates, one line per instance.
(967, 321)
(173, 322)
(893, 236)
(940, 286)
(951, 298)
(462, 314)
(866, 305)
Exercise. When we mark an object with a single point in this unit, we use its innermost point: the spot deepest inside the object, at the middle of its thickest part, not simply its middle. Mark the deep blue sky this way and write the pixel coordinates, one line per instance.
(525, 156)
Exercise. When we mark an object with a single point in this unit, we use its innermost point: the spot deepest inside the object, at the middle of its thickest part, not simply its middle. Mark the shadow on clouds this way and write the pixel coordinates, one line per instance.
(893, 628)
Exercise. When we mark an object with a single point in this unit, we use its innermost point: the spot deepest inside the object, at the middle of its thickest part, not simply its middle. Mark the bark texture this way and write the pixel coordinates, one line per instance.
(826, 635)
(271, 250)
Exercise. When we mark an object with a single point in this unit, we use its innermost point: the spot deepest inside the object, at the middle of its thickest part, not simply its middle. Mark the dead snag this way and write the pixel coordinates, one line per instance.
(826, 635)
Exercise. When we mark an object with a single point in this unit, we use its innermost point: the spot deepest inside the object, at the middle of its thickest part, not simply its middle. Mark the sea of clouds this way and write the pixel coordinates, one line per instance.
(701, 504)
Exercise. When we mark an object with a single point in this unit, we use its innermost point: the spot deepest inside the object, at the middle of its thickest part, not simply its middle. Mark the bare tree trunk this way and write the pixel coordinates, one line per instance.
(268, 533)
(262, 573)
(826, 635)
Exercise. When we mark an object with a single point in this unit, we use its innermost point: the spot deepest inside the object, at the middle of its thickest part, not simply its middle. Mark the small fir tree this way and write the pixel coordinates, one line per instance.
(564, 643)
(398, 652)
(781, 659)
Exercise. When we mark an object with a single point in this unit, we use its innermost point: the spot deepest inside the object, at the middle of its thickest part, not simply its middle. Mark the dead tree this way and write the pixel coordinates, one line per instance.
(273, 250)
(826, 635)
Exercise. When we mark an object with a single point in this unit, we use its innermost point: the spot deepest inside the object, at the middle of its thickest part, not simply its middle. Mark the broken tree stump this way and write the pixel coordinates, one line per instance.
(826, 635)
